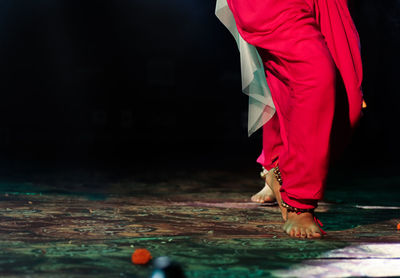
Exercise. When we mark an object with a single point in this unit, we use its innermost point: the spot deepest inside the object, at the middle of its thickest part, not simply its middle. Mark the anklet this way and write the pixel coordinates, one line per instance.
(296, 210)
(289, 208)
(277, 174)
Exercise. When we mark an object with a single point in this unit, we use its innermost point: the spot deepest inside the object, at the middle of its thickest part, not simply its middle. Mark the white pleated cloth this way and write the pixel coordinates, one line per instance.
(254, 84)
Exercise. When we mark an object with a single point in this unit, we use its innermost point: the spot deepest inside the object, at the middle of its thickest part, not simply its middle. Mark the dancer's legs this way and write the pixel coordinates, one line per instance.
(303, 90)
(335, 24)
(301, 75)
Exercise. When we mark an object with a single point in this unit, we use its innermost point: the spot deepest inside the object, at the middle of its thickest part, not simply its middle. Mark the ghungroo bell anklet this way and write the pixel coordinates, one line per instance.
(277, 174)
(289, 208)
(296, 210)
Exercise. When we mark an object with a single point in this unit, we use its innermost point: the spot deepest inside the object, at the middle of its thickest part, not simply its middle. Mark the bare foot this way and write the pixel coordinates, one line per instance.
(301, 225)
(266, 195)
(296, 225)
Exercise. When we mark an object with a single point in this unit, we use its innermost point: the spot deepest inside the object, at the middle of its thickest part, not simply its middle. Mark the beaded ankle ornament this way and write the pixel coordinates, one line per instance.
(277, 174)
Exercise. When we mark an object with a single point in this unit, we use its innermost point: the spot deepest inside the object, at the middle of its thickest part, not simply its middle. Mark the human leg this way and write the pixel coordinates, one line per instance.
(306, 118)
(300, 73)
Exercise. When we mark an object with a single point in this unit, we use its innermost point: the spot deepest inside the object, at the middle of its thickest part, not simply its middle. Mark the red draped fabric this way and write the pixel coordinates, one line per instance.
(302, 43)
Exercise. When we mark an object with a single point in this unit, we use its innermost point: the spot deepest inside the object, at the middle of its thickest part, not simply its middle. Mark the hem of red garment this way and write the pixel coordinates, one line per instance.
(268, 167)
(296, 203)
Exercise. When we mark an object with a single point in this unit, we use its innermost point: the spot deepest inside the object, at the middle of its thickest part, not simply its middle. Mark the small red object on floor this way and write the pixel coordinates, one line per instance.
(141, 256)
(398, 226)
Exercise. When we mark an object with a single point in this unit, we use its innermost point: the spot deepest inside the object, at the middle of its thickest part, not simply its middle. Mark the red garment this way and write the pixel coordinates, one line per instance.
(300, 43)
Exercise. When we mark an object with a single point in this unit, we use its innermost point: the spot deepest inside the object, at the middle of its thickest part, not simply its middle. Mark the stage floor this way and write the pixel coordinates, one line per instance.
(87, 224)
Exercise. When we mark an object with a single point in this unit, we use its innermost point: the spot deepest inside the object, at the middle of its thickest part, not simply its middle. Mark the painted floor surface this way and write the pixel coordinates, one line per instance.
(71, 225)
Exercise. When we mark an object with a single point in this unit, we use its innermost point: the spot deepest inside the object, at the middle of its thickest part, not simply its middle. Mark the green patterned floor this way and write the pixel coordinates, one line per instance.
(88, 226)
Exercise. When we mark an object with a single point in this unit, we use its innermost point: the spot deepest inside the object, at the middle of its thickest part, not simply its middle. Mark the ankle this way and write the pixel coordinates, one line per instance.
(292, 214)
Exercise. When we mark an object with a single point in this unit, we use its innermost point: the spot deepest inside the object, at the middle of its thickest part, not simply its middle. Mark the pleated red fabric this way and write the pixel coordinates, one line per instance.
(302, 43)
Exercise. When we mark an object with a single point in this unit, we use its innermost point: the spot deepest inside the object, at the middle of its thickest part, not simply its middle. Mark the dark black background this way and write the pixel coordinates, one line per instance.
(157, 83)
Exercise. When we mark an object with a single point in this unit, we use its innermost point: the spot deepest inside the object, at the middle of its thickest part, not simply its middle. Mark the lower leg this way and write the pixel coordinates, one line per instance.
(300, 225)
(304, 160)
(305, 118)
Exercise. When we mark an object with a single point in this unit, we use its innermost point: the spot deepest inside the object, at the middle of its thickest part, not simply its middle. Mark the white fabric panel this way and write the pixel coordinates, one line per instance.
(254, 84)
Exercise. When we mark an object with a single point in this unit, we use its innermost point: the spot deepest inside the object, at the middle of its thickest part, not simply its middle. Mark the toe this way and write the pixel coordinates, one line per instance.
(311, 233)
(292, 232)
(255, 198)
(316, 232)
(316, 235)
(297, 232)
